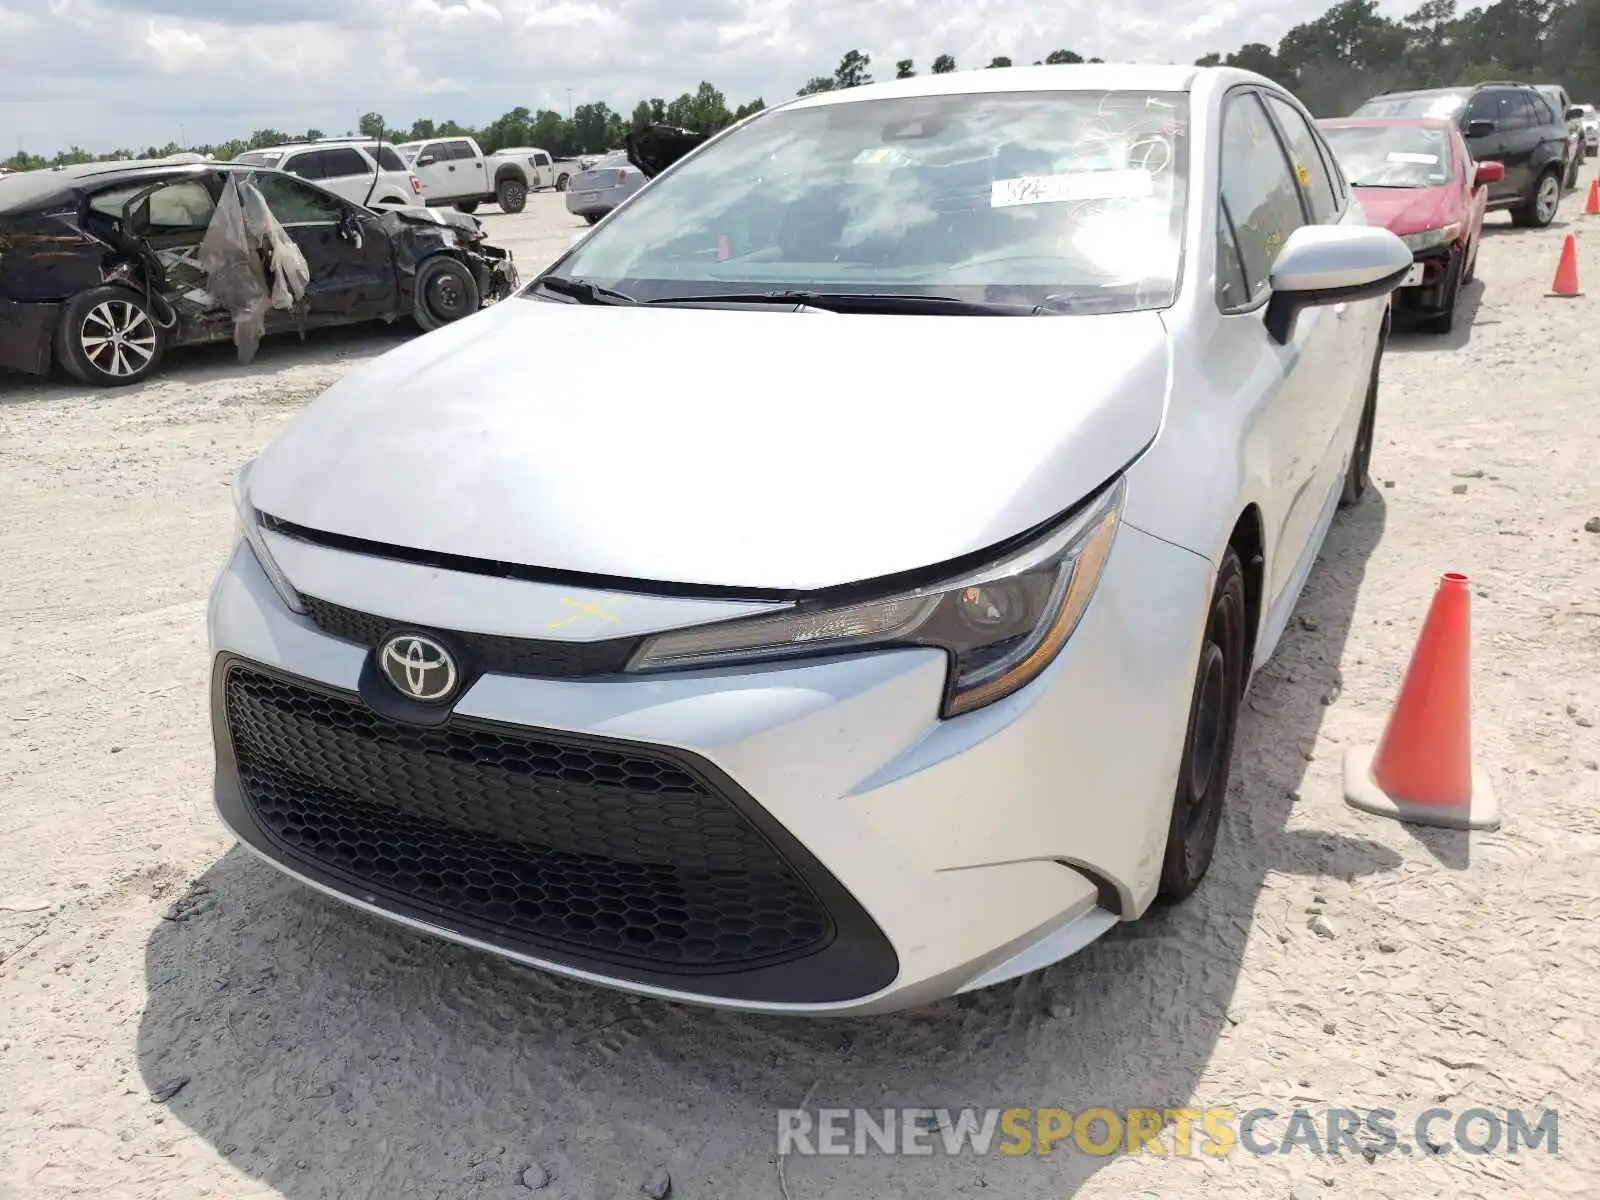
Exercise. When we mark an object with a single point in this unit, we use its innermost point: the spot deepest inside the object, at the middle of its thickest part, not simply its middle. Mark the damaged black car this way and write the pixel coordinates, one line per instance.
(105, 267)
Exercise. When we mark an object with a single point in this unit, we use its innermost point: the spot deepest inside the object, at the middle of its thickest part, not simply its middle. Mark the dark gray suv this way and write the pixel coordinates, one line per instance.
(1509, 123)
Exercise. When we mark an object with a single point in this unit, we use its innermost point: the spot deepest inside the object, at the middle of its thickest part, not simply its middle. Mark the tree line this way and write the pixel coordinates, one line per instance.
(1332, 63)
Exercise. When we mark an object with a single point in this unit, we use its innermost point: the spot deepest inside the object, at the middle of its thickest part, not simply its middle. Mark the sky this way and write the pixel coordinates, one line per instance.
(107, 73)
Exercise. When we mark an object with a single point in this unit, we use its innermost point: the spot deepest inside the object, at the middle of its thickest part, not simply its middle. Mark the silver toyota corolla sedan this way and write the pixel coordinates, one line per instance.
(857, 660)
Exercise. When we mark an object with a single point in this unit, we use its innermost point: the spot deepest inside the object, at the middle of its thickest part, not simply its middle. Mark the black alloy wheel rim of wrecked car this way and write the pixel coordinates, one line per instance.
(447, 299)
(118, 338)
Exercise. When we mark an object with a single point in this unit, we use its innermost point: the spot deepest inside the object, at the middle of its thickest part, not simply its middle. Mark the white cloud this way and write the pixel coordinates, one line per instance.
(104, 73)
(174, 50)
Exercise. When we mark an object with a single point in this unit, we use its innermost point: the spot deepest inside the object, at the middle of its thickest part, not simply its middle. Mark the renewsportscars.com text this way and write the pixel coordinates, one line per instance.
(1166, 1131)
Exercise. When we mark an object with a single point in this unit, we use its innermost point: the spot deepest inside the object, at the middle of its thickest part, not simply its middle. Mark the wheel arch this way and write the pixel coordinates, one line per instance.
(1248, 540)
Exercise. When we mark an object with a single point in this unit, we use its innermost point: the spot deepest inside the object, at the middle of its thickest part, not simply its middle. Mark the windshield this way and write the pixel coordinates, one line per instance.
(1394, 156)
(1013, 197)
(259, 158)
(1441, 105)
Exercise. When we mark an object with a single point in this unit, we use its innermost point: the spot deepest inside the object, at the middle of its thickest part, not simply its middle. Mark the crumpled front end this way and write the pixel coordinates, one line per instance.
(417, 234)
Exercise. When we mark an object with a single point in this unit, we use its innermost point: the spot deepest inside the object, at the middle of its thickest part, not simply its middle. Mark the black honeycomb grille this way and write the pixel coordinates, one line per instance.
(612, 852)
(485, 652)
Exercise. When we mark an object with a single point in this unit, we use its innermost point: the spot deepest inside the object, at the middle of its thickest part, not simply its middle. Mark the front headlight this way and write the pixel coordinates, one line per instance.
(1428, 239)
(247, 528)
(1001, 625)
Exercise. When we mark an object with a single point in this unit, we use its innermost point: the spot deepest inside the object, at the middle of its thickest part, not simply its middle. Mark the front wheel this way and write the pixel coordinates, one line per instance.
(511, 195)
(467, 206)
(109, 337)
(593, 218)
(1449, 291)
(1540, 208)
(1208, 743)
(446, 292)
(562, 181)
(1356, 475)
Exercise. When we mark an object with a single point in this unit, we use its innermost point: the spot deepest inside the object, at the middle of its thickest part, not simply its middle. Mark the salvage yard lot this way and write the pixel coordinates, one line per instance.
(303, 1050)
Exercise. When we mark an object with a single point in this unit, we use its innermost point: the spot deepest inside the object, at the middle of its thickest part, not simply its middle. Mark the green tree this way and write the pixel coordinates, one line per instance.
(905, 69)
(817, 83)
(999, 60)
(641, 116)
(1062, 57)
(372, 124)
(745, 110)
(944, 64)
(852, 70)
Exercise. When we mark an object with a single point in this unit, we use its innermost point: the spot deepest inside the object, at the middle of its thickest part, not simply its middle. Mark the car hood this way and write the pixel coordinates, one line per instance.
(743, 448)
(1410, 210)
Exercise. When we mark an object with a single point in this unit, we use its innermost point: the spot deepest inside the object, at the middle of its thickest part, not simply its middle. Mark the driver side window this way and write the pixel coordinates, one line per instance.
(1259, 191)
(296, 203)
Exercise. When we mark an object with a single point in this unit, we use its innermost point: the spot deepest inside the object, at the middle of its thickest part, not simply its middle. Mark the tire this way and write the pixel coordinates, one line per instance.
(593, 218)
(562, 181)
(511, 195)
(1572, 172)
(467, 206)
(108, 337)
(445, 292)
(1471, 271)
(1356, 474)
(1540, 207)
(1202, 785)
(1444, 320)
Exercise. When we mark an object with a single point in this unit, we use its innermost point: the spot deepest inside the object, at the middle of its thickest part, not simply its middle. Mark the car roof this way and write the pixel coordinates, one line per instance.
(32, 190)
(1106, 77)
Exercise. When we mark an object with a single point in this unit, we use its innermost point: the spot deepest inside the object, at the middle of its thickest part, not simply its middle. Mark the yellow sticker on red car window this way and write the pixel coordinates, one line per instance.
(1303, 175)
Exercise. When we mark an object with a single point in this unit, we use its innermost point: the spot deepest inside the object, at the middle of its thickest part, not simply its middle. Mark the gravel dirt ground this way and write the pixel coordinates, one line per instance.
(177, 1020)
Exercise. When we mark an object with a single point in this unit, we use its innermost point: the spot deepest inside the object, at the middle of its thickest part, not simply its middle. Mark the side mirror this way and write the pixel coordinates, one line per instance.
(1476, 129)
(426, 160)
(1332, 264)
(1489, 172)
(1574, 113)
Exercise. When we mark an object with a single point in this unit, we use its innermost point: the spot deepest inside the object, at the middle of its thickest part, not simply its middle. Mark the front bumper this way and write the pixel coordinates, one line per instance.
(1423, 288)
(902, 858)
(26, 331)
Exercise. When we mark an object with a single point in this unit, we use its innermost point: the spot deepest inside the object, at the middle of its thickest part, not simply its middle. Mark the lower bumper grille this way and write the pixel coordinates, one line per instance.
(587, 851)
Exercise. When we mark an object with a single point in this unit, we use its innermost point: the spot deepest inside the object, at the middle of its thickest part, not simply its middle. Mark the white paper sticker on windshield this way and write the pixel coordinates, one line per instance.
(1081, 185)
(1406, 156)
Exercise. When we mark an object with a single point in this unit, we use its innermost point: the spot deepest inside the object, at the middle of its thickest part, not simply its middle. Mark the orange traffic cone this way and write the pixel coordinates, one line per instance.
(1566, 281)
(1422, 770)
(1592, 209)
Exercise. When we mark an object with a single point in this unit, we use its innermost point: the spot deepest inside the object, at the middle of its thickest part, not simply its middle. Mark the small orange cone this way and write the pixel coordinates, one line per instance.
(1592, 209)
(1422, 770)
(1566, 281)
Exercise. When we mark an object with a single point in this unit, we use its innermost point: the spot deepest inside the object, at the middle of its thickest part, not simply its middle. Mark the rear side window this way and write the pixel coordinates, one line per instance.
(1258, 188)
(389, 160)
(1309, 168)
(308, 165)
(178, 208)
(1485, 106)
(340, 164)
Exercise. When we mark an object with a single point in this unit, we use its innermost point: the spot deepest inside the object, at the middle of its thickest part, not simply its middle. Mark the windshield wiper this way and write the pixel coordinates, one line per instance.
(583, 291)
(861, 302)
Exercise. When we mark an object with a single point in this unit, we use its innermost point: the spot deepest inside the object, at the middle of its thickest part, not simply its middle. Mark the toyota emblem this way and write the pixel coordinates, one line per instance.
(418, 667)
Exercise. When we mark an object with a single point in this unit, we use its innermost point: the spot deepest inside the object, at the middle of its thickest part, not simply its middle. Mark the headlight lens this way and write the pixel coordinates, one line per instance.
(1001, 625)
(247, 528)
(1427, 239)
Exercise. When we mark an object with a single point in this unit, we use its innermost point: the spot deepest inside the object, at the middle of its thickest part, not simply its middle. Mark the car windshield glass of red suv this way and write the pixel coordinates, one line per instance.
(1391, 156)
(1444, 106)
(1071, 201)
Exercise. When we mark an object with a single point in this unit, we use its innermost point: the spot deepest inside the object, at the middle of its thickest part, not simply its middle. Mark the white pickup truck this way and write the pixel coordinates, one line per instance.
(456, 171)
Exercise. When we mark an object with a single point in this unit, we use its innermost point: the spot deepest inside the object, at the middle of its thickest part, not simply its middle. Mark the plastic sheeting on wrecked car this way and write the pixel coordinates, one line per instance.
(251, 264)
